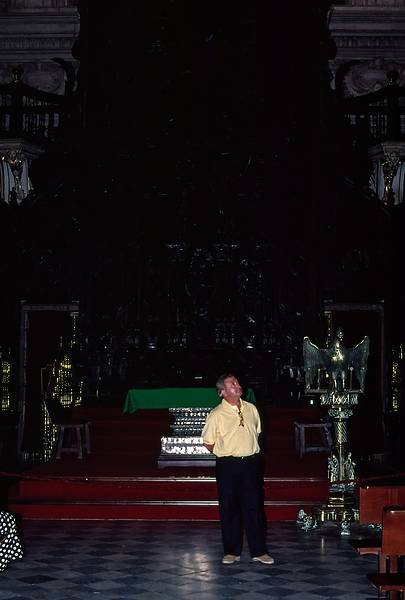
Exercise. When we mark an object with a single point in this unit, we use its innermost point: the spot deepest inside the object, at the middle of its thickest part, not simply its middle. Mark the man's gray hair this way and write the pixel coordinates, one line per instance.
(220, 384)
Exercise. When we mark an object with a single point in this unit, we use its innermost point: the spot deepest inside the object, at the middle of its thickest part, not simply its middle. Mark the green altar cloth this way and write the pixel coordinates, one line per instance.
(175, 398)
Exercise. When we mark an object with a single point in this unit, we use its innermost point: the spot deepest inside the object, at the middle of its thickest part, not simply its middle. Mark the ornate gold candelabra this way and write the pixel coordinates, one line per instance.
(336, 370)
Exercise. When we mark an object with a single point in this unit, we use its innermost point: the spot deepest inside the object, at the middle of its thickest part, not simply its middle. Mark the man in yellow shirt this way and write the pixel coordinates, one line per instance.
(231, 433)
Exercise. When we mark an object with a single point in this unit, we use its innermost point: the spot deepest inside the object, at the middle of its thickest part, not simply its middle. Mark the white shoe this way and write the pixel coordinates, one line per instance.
(266, 559)
(229, 559)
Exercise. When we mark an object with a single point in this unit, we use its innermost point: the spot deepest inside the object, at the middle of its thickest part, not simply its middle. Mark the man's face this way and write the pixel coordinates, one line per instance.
(232, 388)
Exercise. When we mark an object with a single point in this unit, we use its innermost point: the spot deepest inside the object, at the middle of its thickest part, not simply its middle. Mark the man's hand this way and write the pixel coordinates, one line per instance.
(210, 447)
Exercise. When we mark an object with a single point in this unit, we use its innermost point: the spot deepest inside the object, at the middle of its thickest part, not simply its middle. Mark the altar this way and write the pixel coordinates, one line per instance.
(175, 398)
(183, 446)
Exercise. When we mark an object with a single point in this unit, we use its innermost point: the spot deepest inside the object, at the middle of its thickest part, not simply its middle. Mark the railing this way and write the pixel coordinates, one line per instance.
(377, 117)
(30, 113)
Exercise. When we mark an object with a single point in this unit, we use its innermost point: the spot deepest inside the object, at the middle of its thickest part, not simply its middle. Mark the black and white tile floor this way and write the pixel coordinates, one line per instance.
(143, 560)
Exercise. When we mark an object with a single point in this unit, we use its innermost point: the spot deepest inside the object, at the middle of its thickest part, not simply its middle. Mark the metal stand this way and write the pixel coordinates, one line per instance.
(341, 505)
(333, 369)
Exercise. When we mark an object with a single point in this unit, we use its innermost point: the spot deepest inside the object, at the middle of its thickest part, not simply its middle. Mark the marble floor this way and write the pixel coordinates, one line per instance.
(149, 560)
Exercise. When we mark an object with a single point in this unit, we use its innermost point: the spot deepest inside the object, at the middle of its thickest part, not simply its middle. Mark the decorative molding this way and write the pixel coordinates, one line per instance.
(375, 3)
(48, 6)
(47, 77)
(376, 42)
(383, 25)
(34, 44)
(368, 76)
(31, 151)
(34, 40)
(370, 41)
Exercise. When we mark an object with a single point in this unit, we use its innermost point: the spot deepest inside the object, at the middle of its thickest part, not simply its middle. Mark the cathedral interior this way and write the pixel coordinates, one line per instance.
(192, 188)
(189, 189)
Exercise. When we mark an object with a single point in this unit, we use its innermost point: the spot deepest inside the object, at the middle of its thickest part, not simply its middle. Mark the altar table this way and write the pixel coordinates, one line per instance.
(175, 397)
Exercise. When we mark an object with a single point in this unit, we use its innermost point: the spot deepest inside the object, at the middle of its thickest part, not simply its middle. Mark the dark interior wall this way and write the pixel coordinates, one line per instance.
(198, 208)
(219, 105)
(193, 186)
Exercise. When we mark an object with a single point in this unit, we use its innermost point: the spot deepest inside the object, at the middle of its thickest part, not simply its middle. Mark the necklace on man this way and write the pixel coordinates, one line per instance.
(241, 421)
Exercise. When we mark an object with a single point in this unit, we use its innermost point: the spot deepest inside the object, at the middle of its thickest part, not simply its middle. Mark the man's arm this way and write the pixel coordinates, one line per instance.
(209, 432)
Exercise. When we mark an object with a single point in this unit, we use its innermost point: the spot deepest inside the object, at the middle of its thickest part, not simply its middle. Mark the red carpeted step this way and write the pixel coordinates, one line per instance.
(142, 489)
(157, 511)
(160, 489)
(121, 479)
(299, 489)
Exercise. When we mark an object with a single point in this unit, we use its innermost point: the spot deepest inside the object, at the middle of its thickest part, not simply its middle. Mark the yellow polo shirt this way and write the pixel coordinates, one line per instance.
(223, 429)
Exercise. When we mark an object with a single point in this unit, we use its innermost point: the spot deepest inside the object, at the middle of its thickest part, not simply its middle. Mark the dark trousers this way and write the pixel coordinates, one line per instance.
(241, 498)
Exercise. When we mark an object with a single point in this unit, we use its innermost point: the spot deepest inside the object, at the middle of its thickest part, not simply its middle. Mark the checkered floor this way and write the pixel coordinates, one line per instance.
(112, 560)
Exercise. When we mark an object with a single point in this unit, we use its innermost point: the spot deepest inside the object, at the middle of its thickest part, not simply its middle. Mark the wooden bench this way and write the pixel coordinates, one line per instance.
(372, 500)
(392, 547)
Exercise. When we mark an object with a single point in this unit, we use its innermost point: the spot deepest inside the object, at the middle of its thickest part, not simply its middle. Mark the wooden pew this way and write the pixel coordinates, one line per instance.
(392, 547)
(372, 500)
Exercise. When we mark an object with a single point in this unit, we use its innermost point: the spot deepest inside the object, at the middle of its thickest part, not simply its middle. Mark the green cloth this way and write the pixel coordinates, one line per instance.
(175, 397)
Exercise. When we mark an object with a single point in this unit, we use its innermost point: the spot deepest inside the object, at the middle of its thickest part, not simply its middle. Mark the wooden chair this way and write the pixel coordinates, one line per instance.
(73, 434)
(388, 580)
(66, 423)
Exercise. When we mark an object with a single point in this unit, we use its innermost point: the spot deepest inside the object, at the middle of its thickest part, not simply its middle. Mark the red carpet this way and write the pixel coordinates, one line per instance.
(120, 478)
